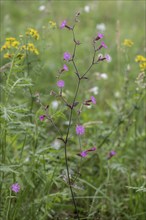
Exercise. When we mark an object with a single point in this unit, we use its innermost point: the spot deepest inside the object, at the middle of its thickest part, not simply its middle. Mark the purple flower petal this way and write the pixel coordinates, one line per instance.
(60, 83)
(67, 56)
(80, 130)
(15, 187)
(63, 24)
(93, 99)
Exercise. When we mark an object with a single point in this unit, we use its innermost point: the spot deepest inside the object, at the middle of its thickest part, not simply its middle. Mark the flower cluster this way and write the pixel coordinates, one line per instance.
(33, 33)
(142, 62)
(30, 47)
(128, 43)
(10, 42)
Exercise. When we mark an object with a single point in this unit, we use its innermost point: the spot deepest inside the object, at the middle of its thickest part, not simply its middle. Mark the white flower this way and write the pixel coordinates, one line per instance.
(101, 27)
(42, 8)
(94, 90)
(87, 8)
(55, 104)
(56, 144)
(103, 75)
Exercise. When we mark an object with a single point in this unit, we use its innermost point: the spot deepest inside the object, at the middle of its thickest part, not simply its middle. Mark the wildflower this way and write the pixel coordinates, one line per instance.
(102, 45)
(67, 56)
(108, 58)
(15, 187)
(65, 68)
(94, 90)
(60, 83)
(52, 24)
(80, 130)
(101, 27)
(99, 36)
(140, 58)
(55, 104)
(42, 117)
(142, 66)
(93, 99)
(87, 8)
(85, 153)
(127, 43)
(8, 55)
(42, 8)
(33, 33)
(10, 42)
(63, 24)
(111, 154)
(103, 75)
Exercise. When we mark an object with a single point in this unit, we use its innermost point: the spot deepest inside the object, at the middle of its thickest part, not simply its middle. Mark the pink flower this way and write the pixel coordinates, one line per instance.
(63, 24)
(80, 130)
(85, 153)
(15, 187)
(67, 56)
(103, 44)
(108, 58)
(65, 67)
(42, 117)
(93, 99)
(99, 36)
(60, 83)
(111, 154)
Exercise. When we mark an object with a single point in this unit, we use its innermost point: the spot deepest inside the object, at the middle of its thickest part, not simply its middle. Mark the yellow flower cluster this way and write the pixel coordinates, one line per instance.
(142, 62)
(9, 43)
(30, 47)
(33, 33)
(52, 24)
(128, 43)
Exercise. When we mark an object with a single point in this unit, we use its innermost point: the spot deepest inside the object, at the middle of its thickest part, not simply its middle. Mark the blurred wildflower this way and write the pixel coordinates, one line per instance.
(94, 90)
(101, 27)
(56, 144)
(42, 7)
(99, 36)
(42, 117)
(128, 43)
(93, 99)
(30, 47)
(52, 24)
(87, 8)
(80, 130)
(15, 187)
(63, 24)
(142, 62)
(102, 45)
(9, 43)
(85, 153)
(108, 58)
(55, 104)
(60, 83)
(111, 154)
(8, 55)
(65, 68)
(33, 33)
(67, 56)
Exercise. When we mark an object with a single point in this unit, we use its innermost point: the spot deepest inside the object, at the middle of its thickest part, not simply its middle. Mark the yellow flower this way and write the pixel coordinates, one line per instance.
(8, 55)
(140, 58)
(128, 43)
(32, 32)
(52, 24)
(142, 66)
(30, 47)
(10, 42)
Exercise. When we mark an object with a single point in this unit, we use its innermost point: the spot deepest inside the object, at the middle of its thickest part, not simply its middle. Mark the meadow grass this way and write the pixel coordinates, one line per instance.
(31, 154)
